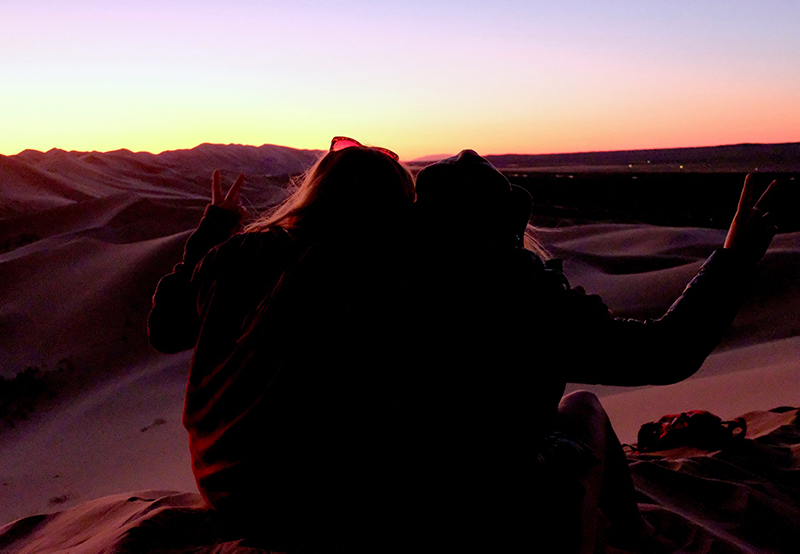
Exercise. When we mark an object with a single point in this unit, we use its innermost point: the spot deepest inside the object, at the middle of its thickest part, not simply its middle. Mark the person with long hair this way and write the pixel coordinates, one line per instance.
(292, 387)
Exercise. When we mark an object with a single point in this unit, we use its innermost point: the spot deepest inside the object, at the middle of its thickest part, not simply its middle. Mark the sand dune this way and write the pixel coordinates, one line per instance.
(743, 498)
(84, 237)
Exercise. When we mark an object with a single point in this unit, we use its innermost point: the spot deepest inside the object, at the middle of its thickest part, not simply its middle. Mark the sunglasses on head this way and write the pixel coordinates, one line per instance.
(340, 143)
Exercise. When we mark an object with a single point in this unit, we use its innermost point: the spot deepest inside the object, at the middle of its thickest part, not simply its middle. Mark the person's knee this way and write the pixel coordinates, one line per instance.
(582, 402)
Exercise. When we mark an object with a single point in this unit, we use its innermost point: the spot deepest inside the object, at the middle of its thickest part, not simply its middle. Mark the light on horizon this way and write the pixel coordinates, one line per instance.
(508, 77)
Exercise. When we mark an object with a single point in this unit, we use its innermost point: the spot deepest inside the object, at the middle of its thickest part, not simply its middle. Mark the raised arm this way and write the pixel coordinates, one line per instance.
(174, 323)
(669, 349)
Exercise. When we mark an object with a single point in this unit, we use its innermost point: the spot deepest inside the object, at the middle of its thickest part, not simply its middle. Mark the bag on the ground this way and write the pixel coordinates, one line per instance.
(696, 428)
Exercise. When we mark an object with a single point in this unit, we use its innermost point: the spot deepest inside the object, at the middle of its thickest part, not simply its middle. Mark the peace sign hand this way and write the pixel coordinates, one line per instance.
(753, 225)
(229, 201)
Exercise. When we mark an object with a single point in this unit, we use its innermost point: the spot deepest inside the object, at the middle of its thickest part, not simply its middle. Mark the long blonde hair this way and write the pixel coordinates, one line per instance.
(532, 243)
(350, 187)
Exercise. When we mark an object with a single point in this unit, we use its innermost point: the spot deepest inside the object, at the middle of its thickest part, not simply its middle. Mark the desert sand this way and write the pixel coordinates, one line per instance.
(96, 442)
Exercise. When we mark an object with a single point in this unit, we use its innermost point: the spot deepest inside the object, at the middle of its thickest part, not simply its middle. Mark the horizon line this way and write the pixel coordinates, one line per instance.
(427, 157)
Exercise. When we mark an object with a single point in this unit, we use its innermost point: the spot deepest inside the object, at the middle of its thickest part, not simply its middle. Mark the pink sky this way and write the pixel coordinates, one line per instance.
(420, 77)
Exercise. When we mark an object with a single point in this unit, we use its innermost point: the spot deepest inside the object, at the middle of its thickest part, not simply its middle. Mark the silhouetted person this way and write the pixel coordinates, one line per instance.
(475, 288)
(506, 332)
(292, 395)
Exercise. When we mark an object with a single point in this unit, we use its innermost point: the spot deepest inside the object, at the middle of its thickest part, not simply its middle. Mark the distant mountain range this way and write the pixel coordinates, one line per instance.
(735, 158)
(33, 180)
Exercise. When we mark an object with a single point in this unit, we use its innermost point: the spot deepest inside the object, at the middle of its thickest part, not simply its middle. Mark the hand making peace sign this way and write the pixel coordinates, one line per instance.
(229, 201)
(753, 225)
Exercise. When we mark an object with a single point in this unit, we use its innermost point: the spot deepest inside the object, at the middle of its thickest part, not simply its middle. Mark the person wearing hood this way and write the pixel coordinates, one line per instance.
(505, 331)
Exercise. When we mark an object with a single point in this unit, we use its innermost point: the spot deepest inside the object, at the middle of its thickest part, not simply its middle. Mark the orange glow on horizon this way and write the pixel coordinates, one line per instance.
(418, 77)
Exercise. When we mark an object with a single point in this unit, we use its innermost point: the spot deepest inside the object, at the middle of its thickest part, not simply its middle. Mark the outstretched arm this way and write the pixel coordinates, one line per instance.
(669, 349)
(174, 322)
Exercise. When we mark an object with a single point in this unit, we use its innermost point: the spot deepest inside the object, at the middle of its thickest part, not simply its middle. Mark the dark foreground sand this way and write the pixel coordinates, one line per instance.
(741, 499)
(85, 237)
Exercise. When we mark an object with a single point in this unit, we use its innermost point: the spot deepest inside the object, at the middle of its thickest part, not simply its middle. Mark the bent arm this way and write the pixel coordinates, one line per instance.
(174, 322)
(627, 352)
(674, 346)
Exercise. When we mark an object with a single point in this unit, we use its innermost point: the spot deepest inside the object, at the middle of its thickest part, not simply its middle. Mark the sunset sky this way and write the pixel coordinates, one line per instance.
(417, 76)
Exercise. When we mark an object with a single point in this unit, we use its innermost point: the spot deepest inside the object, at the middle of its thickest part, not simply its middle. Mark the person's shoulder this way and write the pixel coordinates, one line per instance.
(539, 276)
(523, 259)
(273, 237)
(250, 247)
